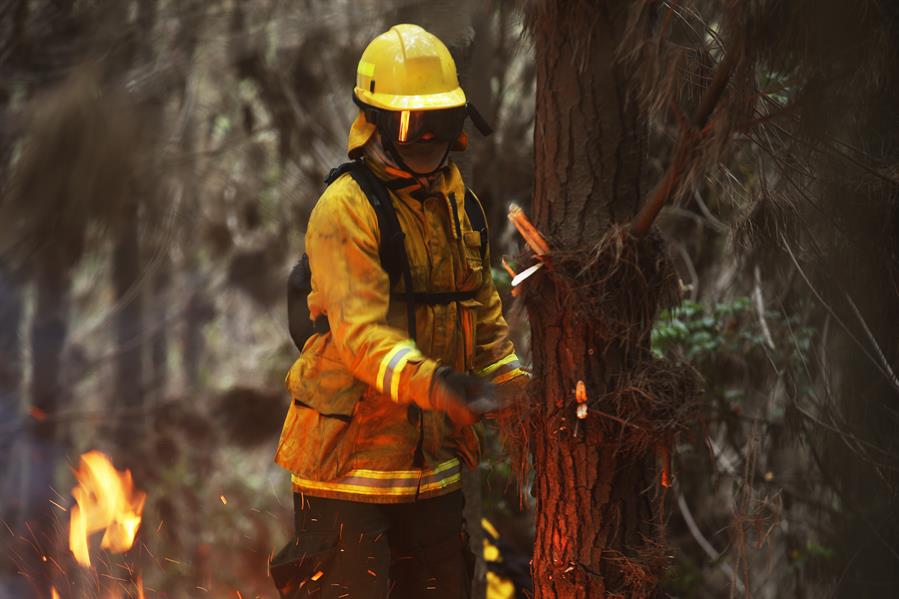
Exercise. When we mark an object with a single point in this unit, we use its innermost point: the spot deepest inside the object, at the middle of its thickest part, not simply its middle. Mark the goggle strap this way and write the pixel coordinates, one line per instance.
(480, 122)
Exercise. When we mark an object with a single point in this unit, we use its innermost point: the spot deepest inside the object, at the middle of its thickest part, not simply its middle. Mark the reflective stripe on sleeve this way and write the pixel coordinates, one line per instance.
(503, 370)
(388, 381)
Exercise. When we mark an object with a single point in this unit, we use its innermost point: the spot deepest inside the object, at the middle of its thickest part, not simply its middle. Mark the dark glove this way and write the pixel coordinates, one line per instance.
(465, 398)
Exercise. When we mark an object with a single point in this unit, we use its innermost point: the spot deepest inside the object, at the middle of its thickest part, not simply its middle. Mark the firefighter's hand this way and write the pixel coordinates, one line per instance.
(465, 398)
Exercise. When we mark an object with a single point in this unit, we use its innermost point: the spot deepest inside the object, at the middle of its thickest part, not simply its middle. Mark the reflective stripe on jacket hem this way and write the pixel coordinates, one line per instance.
(378, 486)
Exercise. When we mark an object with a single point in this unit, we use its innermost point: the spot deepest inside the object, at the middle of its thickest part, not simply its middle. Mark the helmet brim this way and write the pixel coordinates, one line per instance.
(450, 99)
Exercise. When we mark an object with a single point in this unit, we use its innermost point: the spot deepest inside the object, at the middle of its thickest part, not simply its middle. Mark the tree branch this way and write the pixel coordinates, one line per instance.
(688, 140)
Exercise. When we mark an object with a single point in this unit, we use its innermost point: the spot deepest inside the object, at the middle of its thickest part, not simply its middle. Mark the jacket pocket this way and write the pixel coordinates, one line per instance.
(472, 249)
(323, 383)
(318, 437)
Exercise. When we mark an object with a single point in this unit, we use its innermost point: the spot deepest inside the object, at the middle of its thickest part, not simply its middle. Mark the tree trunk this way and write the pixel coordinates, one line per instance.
(11, 413)
(129, 325)
(127, 263)
(596, 533)
(159, 342)
(48, 335)
(859, 273)
(10, 308)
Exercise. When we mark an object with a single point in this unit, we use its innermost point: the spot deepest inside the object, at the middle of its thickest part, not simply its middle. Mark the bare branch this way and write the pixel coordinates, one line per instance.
(688, 141)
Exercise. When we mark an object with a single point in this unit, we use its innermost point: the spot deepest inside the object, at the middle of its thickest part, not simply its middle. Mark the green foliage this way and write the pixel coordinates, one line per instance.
(502, 280)
(730, 329)
(812, 552)
(698, 332)
(726, 342)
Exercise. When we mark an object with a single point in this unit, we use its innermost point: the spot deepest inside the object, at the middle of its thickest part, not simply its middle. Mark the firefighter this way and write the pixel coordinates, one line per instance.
(385, 393)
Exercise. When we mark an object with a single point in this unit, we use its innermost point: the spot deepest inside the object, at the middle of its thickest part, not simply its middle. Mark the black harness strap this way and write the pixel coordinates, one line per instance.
(393, 247)
(392, 251)
(438, 298)
(477, 218)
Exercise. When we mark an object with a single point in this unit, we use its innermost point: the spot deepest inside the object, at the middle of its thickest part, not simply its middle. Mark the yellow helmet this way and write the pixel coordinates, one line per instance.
(407, 68)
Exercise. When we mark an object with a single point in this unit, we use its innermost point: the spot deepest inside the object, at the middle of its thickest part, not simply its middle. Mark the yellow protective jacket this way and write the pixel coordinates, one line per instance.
(352, 431)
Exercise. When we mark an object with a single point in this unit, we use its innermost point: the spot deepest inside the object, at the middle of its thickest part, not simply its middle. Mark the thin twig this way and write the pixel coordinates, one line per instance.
(873, 340)
(760, 308)
(891, 378)
(704, 543)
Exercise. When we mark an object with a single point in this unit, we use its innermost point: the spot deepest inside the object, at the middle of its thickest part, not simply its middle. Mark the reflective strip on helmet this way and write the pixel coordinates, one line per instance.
(397, 483)
(366, 69)
(404, 126)
(388, 381)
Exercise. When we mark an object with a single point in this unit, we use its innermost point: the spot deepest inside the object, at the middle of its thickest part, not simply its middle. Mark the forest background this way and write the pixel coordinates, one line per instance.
(158, 163)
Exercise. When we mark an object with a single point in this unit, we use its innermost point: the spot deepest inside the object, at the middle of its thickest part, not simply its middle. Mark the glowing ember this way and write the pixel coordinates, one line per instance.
(107, 502)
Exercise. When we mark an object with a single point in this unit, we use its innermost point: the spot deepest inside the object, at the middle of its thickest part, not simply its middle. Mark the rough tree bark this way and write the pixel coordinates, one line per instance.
(596, 532)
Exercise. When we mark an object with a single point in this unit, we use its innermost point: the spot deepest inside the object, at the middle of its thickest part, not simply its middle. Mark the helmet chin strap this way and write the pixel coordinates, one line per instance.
(395, 155)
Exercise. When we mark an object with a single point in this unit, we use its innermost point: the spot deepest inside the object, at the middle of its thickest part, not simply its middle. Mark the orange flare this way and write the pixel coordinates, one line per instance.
(664, 456)
(580, 392)
(107, 502)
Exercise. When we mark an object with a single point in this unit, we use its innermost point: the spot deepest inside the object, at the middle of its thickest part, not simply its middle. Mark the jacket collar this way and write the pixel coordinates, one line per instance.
(445, 183)
(380, 163)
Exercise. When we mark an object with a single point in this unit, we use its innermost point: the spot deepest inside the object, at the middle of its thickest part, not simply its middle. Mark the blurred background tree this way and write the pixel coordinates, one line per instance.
(158, 163)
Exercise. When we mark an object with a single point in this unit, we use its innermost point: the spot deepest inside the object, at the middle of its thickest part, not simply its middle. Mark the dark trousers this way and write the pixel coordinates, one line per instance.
(374, 551)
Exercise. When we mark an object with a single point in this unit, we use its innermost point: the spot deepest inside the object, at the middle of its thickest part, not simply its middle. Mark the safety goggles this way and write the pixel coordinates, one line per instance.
(412, 126)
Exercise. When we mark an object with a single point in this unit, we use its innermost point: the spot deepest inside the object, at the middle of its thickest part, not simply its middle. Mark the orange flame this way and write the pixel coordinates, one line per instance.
(663, 455)
(54, 594)
(108, 502)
